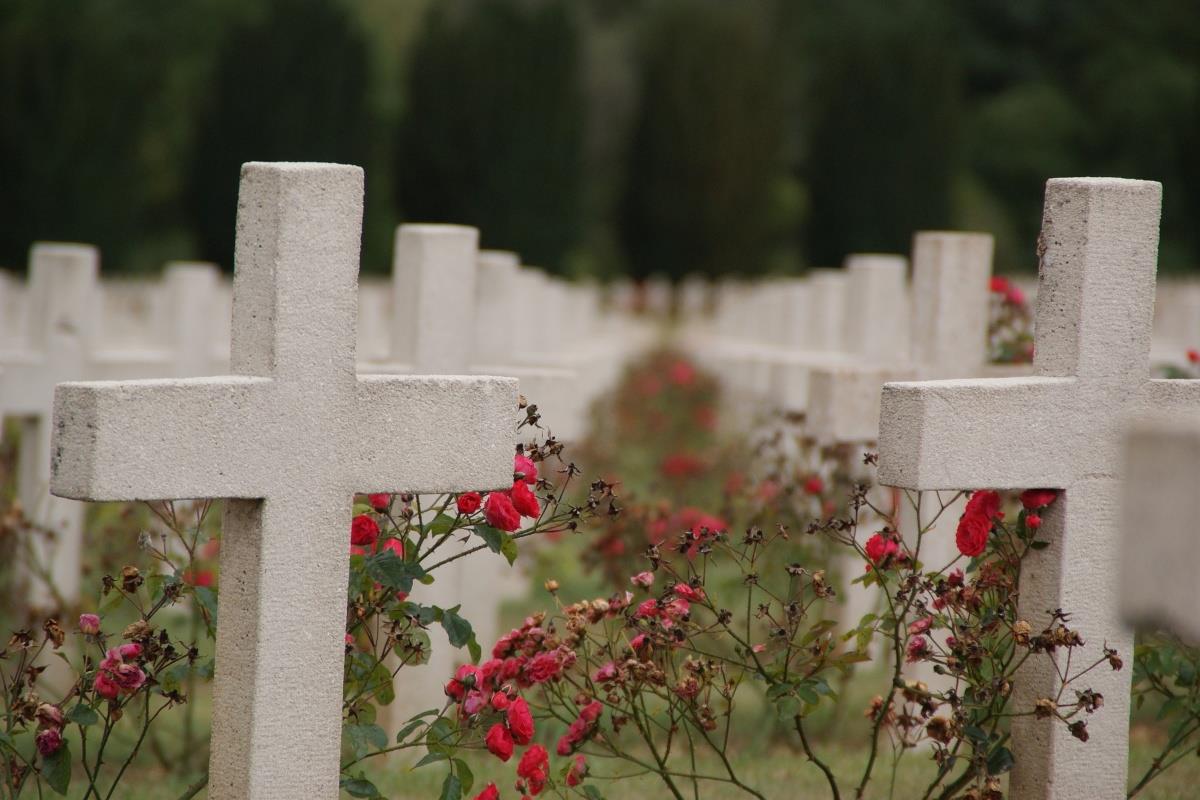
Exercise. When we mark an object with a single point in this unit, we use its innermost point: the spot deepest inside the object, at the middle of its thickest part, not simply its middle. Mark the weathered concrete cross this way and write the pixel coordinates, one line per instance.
(1059, 429)
(289, 439)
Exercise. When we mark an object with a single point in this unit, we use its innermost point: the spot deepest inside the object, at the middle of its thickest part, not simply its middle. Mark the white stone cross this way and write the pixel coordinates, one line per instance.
(947, 338)
(289, 439)
(1161, 552)
(1059, 429)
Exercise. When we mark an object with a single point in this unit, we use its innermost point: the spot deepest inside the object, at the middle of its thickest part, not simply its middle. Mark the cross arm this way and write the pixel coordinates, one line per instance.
(843, 400)
(995, 433)
(456, 433)
(157, 439)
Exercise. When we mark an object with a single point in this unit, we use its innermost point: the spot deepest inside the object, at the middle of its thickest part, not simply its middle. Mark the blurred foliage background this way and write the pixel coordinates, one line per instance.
(596, 136)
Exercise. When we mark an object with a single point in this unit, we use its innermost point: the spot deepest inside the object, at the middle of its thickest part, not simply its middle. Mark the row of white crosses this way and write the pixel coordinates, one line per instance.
(61, 322)
(287, 439)
(1061, 428)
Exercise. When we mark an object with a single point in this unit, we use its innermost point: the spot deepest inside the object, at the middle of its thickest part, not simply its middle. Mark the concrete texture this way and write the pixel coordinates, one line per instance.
(1161, 502)
(1059, 429)
(292, 435)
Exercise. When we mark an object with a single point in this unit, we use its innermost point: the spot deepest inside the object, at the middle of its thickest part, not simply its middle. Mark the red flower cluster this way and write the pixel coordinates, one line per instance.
(581, 729)
(881, 548)
(1011, 292)
(681, 465)
(983, 508)
(533, 769)
(515, 728)
(116, 676)
(503, 510)
(814, 485)
(380, 502)
(681, 373)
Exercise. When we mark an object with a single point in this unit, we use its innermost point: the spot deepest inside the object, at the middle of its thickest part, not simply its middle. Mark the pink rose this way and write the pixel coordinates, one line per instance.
(89, 624)
(643, 579)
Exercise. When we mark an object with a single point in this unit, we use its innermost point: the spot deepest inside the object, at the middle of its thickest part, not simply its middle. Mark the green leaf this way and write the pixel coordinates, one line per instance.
(999, 760)
(207, 599)
(452, 788)
(592, 792)
(431, 757)
(458, 629)
(83, 715)
(508, 548)
(413, 647)
(392, 571)
(975, 734)
(439, 734)
(381, 684)
(7, 741)
(464, 775)
(359, 787)
(1039, 545)
(492, 537)
(365, 737)
(440, 526)
(56, 769)
(412, 725)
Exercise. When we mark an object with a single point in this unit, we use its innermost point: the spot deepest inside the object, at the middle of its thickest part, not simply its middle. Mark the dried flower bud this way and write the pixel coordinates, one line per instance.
(54, 632)
(1044, 708)
(50, 716)
(137, 630)
(551, 586)
(89, 624)
(131, 578)
(1021, 631)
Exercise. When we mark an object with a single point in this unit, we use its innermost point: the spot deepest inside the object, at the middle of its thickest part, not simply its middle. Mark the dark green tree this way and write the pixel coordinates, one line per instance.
(705, 168)
(884, 110)
(492, 130)
(88, 121)
(289, 84)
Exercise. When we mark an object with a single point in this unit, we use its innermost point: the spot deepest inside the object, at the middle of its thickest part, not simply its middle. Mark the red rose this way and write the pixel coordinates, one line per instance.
(499, 512)
(814, 485)
(578, 771)
(395, 545)
(469, 502)
(363, 531)
(380, 502)
(524, 469)
(985, 503)
(999, 285)
(972, 534)
(1033, 499)
(880, 547)
(1033, 521)
(1193, 355)
(533, 767)
(490, 792)
(524, 501)
(542, 667)
(500, 701)
(520, 721)
(920, 626)
(499, 742)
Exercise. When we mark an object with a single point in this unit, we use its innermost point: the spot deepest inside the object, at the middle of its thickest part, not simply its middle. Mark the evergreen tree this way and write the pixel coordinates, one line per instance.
(884, 107)
(290, 84)
(705, 167)
(492, 132)
(85, 106)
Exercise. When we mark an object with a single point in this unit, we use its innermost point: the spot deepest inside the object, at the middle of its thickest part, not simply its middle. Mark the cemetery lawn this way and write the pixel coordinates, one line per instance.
(779, 773)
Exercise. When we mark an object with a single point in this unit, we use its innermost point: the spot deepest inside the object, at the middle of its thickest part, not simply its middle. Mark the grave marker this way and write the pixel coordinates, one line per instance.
(289, 438)
(1059, 429)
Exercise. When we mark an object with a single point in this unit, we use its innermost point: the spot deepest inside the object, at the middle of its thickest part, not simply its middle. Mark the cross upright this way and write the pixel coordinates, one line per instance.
(1059, 429)
(288, 439)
